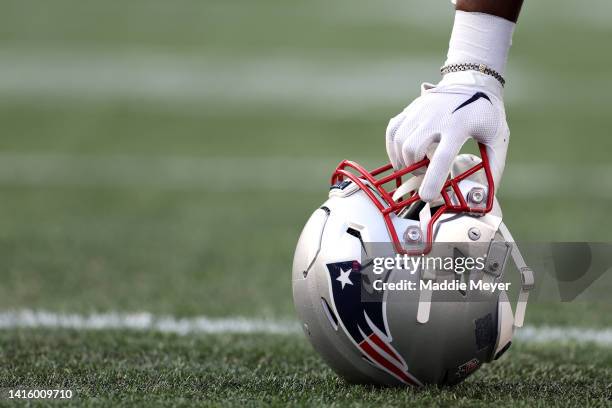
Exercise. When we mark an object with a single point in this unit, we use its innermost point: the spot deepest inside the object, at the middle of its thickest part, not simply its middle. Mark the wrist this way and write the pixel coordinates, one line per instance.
(474, 81)
(480, 38)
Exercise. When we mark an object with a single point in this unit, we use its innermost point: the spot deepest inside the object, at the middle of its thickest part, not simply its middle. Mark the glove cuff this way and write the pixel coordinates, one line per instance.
(472, 80)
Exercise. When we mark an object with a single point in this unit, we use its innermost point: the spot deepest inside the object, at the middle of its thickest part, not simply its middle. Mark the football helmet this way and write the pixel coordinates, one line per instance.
(419, 336)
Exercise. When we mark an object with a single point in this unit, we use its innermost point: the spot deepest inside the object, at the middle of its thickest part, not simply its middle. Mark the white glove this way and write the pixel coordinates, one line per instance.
(463, 105)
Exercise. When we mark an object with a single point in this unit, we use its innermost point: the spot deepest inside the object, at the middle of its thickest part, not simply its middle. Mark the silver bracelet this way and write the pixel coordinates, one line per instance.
(482, 68)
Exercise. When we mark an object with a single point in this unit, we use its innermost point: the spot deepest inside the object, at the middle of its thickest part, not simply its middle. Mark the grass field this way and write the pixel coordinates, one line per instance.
(162, 157)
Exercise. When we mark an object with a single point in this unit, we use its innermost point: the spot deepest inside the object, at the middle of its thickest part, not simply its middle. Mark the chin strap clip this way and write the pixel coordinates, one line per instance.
(527, 277)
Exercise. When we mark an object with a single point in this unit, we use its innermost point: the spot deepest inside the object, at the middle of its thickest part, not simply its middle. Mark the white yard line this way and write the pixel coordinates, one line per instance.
(207, 325)
(143, 321)
(273, 174)
(547, 334)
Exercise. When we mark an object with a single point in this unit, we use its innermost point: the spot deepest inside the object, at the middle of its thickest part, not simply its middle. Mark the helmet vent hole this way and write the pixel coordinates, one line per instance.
(356, 234)
(331, 316)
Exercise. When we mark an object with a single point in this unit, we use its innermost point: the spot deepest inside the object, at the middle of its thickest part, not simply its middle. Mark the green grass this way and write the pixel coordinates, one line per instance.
(149, 81)
(125, 368)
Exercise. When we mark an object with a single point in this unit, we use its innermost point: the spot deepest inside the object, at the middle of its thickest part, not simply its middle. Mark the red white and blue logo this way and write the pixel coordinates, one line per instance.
(365, 322)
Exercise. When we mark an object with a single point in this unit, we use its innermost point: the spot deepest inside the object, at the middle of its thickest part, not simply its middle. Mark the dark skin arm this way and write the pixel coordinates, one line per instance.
(508, 9)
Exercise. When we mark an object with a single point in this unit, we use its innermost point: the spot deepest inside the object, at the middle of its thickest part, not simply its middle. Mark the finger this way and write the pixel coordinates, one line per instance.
(390, 136)
(441, 162)
(402, 135)
(416, 144)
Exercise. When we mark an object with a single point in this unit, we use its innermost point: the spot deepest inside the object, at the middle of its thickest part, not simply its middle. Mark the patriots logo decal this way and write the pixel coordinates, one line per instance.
(365, 322)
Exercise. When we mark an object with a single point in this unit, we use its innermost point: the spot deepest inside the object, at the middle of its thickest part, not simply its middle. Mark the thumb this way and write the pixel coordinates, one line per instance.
(496, 151)
(440, 165)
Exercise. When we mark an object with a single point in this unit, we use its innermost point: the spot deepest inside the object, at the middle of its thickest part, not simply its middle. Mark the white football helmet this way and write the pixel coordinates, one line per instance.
(414, 337)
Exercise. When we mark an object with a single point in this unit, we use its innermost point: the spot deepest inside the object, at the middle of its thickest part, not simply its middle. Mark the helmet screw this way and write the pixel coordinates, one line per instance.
(476, 195)
(412, 234)
(474, 234)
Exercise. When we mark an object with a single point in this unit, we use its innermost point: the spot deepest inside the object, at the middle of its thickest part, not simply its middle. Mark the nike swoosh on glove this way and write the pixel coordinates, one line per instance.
(461, 106)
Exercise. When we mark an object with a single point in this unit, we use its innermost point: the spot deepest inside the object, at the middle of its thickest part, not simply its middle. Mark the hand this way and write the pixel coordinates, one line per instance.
(463, 105)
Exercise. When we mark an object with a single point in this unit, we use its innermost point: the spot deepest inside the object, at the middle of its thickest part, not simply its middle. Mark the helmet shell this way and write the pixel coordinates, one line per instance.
(462, 330)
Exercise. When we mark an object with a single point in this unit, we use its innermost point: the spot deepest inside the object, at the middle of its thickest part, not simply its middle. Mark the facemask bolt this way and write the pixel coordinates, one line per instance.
(412, 234)
(476, 195)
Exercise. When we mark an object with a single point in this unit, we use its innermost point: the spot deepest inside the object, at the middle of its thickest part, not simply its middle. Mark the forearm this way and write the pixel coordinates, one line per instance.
(482, 33)
(508, 9)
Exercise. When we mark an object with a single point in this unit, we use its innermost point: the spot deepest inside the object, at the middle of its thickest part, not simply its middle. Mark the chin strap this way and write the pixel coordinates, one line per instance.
(527, 277)
(408, 186)
(427, 274)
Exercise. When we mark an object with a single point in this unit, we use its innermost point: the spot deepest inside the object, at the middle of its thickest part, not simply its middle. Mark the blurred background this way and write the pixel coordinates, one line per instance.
(163, 156)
